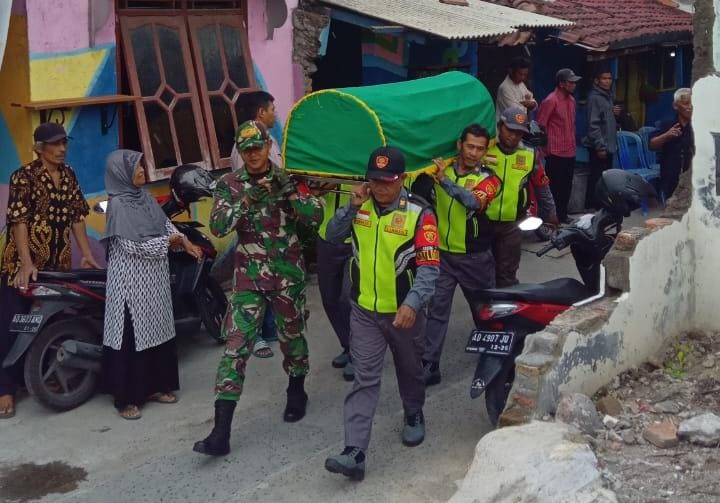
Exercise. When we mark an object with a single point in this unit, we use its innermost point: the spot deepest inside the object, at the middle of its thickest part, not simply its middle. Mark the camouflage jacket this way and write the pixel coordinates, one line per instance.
(268, 254)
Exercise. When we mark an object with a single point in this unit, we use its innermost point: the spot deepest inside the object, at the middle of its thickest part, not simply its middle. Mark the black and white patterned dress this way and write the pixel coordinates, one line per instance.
(138, 276)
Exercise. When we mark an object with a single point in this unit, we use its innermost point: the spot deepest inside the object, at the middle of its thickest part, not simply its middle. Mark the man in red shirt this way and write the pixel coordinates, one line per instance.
(557, 117)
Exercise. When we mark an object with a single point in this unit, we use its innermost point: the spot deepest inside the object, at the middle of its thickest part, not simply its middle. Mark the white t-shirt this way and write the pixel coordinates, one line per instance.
(510, 94)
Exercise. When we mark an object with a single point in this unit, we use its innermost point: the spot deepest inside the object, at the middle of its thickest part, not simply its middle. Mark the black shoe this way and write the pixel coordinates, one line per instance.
(218, 442)
(431, 373)
(341, 360)
(414, 430)
(350, 462)
(296, 400)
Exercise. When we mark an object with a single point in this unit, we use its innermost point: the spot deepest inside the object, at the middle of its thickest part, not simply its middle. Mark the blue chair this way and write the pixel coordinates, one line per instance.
(630, 151)
(650, 155)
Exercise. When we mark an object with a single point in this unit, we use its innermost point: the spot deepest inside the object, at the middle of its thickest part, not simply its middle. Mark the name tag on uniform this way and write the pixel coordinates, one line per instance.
(362, 221)
(401, 231)
(520, 164)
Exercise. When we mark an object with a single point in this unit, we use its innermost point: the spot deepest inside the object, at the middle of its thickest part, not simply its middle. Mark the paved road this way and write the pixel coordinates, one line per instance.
(150, 460)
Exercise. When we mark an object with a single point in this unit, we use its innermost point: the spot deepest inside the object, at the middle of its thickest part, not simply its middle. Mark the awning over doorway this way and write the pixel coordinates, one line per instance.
(477, 20)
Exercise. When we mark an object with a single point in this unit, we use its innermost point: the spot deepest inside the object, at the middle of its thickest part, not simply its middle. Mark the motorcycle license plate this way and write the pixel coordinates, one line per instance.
(491, 343)
(26, 323)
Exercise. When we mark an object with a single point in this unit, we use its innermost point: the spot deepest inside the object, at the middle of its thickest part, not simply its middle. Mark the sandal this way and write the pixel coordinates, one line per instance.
(7, 406)
(262, 349)
(163, 398)
(131, 412)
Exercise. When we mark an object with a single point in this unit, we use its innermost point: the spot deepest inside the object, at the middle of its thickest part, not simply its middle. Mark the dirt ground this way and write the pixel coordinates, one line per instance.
(677, 385)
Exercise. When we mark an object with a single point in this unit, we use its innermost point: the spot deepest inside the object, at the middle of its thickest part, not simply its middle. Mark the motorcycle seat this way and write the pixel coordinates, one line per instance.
(74, 275)
(563, 291)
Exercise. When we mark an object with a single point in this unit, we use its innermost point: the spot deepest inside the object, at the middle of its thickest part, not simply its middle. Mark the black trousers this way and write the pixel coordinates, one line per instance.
(332, 267)
(560, 170)
(507, 250)
(597, 166)
(11, 303)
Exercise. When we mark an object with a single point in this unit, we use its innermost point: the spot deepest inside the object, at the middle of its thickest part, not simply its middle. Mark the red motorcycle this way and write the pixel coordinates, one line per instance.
(505, 316)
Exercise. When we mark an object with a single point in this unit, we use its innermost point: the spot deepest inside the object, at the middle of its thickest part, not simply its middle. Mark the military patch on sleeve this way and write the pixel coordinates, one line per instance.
(430, 256)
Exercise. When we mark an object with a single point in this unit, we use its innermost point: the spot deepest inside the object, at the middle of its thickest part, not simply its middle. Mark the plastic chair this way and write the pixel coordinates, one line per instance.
(631, 150)
(650, 155)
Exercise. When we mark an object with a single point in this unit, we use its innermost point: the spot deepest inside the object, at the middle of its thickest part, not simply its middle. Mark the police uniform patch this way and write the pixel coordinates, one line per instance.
(362, 222)
(430, 236)
(469, 184)
(490, 189)
(398, 220)
(382, 161)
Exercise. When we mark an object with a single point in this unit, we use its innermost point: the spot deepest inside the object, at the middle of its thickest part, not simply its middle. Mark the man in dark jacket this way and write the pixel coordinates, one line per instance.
(601, 138)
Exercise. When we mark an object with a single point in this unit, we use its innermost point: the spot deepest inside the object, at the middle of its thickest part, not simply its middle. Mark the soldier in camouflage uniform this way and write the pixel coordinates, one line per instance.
(263, 206)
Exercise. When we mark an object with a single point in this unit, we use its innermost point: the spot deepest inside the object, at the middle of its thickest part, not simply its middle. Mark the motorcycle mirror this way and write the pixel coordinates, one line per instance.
(100, 206)
(530, 224)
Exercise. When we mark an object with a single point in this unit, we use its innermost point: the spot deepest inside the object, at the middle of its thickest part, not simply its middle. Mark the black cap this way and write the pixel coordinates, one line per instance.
(566, 75)
(49, 132)
(385, 163)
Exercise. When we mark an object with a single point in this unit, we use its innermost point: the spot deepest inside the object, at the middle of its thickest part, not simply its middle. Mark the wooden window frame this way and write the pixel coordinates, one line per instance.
(195, 23)
(176, 22)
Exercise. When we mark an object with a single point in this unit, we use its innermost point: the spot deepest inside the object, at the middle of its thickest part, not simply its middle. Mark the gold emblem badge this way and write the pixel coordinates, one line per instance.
(382, 161)
(398, 220)
(249, 132)
(520, 118)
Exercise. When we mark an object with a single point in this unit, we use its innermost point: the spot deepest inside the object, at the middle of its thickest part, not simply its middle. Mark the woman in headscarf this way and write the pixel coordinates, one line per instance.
(139, 354)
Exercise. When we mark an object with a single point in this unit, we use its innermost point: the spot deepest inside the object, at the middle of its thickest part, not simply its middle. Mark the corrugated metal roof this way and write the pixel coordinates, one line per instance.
(477, 20)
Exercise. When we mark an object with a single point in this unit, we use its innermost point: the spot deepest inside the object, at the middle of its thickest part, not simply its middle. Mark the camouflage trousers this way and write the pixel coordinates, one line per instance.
(240, 328)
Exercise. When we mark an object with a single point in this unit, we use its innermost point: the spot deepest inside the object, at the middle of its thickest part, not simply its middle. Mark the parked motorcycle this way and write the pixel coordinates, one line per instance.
(61, 337)
(505, 316)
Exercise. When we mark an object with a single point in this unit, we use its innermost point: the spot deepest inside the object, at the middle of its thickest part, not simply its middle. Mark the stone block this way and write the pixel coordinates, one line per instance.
(525, 382)
(524, 401)
(625, 241)
(617, 269)
(542, 342)
(537, 360)
(583, 319)
(514, 416)
(703, 429)
(662, 435)
(610, 405)
(578, 410)
(658, 223)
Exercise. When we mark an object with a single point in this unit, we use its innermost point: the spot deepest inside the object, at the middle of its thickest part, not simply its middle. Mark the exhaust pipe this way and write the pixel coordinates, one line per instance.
(80, 355)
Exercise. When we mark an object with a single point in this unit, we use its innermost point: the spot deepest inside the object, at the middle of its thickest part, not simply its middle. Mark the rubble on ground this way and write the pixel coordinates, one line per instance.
(660, 439)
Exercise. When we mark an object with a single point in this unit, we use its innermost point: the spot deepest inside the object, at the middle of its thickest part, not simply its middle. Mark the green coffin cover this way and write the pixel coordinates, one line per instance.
(332, 132)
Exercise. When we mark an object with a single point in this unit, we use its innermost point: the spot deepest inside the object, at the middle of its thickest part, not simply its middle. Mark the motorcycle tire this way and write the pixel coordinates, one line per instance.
(497, 392)
(60, 389)
(212, 305)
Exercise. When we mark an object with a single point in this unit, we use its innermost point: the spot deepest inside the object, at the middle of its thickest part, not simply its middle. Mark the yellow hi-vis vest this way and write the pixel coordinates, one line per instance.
(461, 231)
(514, 171)
(383, 263)
(333, 201)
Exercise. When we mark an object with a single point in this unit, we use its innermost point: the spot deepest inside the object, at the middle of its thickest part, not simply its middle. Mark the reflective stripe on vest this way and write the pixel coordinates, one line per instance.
(384, 255)
(454, 220)
(514, 171)
(333, 201)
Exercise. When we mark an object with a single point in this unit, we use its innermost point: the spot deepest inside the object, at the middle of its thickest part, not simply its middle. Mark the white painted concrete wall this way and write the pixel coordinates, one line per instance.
(705, 211)
(660, 304)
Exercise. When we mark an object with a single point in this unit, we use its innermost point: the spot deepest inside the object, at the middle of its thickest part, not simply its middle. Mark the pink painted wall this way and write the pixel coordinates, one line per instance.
(273, 57)
(63, 25)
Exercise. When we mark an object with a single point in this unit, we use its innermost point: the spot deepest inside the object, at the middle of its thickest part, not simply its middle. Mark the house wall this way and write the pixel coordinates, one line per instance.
(51, 54)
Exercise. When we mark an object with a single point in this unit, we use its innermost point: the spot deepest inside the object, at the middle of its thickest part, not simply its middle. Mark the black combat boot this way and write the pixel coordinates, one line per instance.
(296, 399)
(218, 442)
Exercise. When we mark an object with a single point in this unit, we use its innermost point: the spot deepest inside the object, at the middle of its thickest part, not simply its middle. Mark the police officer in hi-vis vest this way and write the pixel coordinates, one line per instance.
(394, 267)
(332, 269)
(516, 166)
(460, 195)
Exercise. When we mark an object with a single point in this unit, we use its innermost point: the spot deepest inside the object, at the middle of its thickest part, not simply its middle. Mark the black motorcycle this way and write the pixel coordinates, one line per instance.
(505, 316)
(60, 338)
